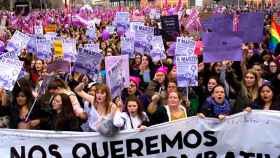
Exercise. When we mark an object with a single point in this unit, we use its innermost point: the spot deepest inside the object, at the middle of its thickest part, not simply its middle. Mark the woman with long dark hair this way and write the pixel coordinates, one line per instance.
(147, 71)
(22, 115)
(63, 117)
(133, 116)
(267, 99)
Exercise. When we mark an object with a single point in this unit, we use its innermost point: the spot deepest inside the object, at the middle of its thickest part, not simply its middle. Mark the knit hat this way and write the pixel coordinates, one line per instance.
(162, 69)
(136, 80)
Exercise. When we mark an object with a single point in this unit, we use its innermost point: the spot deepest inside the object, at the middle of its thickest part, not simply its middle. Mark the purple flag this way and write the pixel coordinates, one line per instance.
(193, 21)
(221, 46)
(218, 23)
(251, 27)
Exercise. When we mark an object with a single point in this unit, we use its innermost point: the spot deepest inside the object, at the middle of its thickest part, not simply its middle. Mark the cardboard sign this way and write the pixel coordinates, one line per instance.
(51, 28)
(58, 49)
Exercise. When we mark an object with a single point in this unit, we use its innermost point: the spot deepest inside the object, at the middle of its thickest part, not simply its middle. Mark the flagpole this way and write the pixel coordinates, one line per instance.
(31, 109)
(238, 3)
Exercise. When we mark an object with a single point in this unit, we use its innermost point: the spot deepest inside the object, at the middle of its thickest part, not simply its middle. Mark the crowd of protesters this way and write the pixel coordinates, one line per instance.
(73, 102)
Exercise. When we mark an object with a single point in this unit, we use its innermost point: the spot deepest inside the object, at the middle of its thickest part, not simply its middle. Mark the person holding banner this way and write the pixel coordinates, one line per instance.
(63, 117)
(19, 110)
(247, 90)
(204, 91)
(216, 105)
(167, 113)
(267, 99)
(133, 90)
(101, 104)
(103, 46)
(109, 52)
(133, 116)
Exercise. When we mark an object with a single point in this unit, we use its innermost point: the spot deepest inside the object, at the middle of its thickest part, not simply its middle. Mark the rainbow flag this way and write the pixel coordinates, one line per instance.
(275, 35)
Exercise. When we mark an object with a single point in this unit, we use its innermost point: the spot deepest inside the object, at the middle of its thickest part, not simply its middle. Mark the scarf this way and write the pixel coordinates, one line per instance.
(217, 108)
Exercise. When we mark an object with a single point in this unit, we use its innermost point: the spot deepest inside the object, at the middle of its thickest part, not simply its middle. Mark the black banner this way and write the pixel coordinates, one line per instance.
(170, 27)
(22, 8)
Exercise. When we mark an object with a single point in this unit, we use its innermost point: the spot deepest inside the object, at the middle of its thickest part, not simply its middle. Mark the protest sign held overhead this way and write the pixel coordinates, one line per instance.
(218, 23)
(250, 25)
(117, 73)
(18, 41)
(219, 47)
(122, 20)
(59, 66)
(92, 46)
(170, 27)
(143, 36)
(88, 62)
(44, 49)
(186, 62)
(91, 32)
(50, 28)
(31, 45)
(193, 21)
(157, 51)
(38, 30)
(111, 29)
(10, 67)
(127, 46)
(69, 49)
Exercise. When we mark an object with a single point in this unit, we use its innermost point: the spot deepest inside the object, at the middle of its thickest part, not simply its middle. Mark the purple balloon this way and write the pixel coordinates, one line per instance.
(105, 35)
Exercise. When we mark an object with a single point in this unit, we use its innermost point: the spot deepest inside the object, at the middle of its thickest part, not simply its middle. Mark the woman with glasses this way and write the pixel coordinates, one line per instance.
(133, 90)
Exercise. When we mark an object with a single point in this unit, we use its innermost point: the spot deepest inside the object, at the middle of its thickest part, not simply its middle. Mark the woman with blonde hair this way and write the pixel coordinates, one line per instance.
(167, 113)
(247, 91)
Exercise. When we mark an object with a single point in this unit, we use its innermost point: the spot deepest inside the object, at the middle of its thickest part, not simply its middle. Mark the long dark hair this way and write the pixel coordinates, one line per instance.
(274, 97)
(34, 68)
(133, 61)
(67, 111)
(150, 60)
(215, 78)
(140, 108)
(25, 87)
